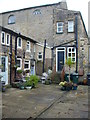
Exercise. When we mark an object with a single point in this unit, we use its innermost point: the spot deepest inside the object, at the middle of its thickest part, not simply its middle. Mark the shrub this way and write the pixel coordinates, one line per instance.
(32, 81)
(19, 71)
(55, 77)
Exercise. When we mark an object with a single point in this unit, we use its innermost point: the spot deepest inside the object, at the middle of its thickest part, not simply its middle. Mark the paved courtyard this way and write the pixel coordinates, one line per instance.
(45, 101)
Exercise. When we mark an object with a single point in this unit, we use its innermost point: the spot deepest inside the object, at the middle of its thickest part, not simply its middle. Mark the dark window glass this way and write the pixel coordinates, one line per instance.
(3, 64)
(3, 38)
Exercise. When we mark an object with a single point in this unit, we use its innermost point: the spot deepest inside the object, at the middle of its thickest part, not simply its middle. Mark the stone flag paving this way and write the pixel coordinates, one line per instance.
(45, 101)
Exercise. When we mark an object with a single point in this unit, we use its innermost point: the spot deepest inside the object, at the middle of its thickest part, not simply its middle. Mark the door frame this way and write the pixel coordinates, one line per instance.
(6, 67)
(59, 49)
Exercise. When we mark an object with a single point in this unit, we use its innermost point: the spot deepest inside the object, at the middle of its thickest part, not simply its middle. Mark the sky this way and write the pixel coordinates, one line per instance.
(78, 5)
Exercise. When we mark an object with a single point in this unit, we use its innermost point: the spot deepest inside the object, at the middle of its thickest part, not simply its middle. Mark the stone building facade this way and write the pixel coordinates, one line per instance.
(21, 55)
(56, 24)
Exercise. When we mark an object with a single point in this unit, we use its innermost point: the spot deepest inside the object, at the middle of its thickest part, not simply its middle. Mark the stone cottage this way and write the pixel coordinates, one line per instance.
(63, 29)
(18, 52)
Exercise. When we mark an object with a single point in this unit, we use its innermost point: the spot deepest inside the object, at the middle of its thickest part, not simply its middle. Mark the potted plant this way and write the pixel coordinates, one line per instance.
(31, 81)
(69, 62)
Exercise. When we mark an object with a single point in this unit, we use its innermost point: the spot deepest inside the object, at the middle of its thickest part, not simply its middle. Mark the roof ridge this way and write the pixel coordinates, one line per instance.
(31, 7)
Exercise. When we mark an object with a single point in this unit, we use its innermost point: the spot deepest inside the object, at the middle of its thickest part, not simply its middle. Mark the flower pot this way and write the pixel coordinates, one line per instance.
(28, 87)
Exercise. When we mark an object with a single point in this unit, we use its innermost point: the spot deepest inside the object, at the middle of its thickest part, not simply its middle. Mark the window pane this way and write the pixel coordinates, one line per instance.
(28, 46)
(73, 59)
(69, 49)
(11, 19)
(73, 54)
(70, 26)
(26, 66)
(73, 49)
(7, 39)
(69, 55)
(19, 42)
(18, 63)
(60, 27)
(3, 38)
(40, 56)
(3, 64)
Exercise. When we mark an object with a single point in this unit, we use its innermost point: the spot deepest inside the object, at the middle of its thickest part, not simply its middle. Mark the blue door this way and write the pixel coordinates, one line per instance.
(60, 60)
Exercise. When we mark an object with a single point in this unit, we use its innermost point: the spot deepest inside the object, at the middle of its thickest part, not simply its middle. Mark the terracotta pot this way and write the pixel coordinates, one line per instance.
(85, 81)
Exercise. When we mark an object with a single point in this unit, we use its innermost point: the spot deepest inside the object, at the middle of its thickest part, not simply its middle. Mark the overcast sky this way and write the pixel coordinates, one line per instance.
(78, 5)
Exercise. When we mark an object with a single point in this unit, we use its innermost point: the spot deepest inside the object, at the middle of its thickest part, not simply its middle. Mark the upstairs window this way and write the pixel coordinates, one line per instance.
(19, 43)
(7, 39)
(28, 46)
(36, 12)
(11, 19)
(59, 27)
(39, 56)
(3, 38)
(72, 53)
(70, 26)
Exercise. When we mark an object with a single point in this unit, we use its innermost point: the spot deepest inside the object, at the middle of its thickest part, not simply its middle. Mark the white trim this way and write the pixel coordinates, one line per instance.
(40, 54)
(4, 38)
(4, 74)
(34, 48)
(71, 53)
(70, 26)
(58, 50)
(19, 68)
(29, 47)
(17, 43)
(29, 65)
(39, 44)
(61, 31)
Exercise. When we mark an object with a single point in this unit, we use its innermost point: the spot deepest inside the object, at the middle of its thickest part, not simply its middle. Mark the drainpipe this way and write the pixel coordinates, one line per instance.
(76, 38)
(44, 55)
(10, 59)
(52, 58)
(15, 56)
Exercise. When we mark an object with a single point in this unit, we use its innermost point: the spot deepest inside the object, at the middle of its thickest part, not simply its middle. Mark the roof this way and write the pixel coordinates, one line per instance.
(16, 34)
(32, 7)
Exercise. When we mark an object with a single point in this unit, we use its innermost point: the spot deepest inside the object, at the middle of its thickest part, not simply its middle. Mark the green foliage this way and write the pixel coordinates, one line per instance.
(69, 62)
(32, 80)
(19, 71)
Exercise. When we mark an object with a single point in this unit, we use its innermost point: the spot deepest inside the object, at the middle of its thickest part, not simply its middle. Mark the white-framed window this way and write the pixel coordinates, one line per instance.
(40, 56)
(19, 43)
(36, 12)
(7, 39)
(71, 53)
(27, 65)
(28, 46)
(59, 27)
(70, 26)
(11, 19)
(19, 63)
(3, 38)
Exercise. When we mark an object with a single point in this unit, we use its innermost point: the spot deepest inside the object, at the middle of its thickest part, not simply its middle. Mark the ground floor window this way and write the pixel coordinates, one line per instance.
(71, 53)
(27, 64)
(19, 63)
